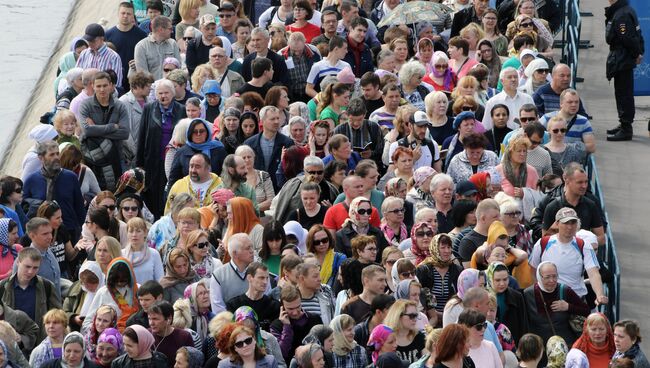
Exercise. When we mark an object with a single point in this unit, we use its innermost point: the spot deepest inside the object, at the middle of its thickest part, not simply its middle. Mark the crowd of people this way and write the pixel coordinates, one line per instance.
(306, 184)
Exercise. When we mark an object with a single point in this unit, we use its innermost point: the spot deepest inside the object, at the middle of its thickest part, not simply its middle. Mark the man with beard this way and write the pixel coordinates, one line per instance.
(54, 183)
(425, 149)
(233, 177)
(200, 183)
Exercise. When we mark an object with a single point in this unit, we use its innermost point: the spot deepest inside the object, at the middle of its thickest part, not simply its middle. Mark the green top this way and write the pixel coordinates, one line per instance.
(513, 62)
(273, 263)
(328, 113)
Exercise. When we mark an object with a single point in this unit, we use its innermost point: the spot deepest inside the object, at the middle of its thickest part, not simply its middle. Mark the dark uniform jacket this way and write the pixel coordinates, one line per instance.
(623, 34)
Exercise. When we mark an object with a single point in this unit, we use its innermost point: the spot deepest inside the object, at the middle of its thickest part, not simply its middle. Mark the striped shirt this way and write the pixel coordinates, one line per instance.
(382, 117)
(580, 126)
(311, 306)
(102, 59)
(324, 68)
(440, 289)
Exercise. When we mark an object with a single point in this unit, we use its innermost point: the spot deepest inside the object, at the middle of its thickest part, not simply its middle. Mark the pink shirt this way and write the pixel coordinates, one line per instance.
(7, 263)
(531, 179)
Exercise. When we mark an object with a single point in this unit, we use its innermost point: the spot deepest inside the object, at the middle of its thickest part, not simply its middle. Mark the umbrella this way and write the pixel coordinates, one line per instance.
(414, 12)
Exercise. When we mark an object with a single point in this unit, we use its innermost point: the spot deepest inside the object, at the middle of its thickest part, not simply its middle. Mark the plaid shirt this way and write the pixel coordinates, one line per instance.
(357, 358)
(523, 239)
(299, 73)
(103, 60)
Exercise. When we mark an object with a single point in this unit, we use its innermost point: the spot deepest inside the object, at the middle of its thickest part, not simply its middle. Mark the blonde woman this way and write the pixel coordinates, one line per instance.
(106, 250)
(402, 318)
(189, 12)
(179, 137)
(146, 261)
(472, 33)
(201, 74)
(55, 323)
(436, 105)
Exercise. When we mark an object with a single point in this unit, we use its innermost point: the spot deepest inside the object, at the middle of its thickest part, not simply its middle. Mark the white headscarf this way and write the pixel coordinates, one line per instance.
(538, 274)
(93, 267)
(294, 228)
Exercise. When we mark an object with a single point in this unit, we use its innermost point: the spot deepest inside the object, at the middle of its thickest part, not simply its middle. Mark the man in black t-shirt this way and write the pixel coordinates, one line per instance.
(371, 92)
(266, 308)
(487, 212)
(374, 283)
(262, 69)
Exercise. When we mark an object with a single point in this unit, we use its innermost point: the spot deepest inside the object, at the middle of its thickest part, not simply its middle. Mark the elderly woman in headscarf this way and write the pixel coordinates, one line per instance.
(347, 353)
(72, 354)
(189, 357)
(483, 183)
(198, 294)
(537, 74)
(438, 272)
(511, 309)
(82, 292)
(467, 279)
(595, 347)
(551, 304)
(556, 351)
(178, 275)
(358, 223)
(109, 347)
(421, 235)
(411, 289)
(439, 74)
(420, 192)
(199, 139)
(138, 342)
(246, 316)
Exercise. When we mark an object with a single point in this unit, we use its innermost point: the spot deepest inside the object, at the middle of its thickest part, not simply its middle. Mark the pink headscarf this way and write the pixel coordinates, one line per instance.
(145, 341)
(467, 280)
(420, 255)
(377, 338)
(222, 196)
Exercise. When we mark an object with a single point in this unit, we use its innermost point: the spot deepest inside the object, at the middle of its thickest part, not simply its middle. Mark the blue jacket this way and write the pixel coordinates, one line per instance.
(181, 164)
(67, 193)
(281, 141)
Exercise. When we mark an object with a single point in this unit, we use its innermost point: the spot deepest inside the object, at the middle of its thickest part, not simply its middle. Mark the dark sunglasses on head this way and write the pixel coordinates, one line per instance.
(560, 130)
(422, 234)
(364, 212)
(245, 342)
(410, 315)
(130, 208)
(480, 326)
(321, 241)
(202, 245)
(110, 207)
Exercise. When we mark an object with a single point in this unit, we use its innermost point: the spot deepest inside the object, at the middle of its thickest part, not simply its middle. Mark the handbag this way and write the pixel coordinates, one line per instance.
(576, 321)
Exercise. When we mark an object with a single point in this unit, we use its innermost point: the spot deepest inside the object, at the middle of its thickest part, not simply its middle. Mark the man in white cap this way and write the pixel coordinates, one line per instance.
(564, 249)
(39, 133)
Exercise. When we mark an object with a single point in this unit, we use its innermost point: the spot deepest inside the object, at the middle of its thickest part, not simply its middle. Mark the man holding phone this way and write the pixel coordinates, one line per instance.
(426, 151)
(293, 324)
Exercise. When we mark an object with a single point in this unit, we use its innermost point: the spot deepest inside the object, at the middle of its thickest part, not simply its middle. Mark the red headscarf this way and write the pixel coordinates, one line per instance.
(480, 180)
(596, 353)
(420, 254)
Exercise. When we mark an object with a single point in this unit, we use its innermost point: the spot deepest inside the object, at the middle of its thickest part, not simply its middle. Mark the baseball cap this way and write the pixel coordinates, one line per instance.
(207, 19)
(93, 31)
(466, 188)
(211, 86)
(463, 116)
(565, 215)
(419, 118)
(226, 6)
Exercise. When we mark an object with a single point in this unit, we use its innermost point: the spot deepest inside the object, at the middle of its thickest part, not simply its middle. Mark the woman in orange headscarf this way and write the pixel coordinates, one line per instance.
(482, 181)
(595, 345)
(242, 219)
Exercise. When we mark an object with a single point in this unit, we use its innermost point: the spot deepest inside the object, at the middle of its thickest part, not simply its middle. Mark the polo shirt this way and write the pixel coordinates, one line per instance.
(338, 213)
(25, 299)
(580, 126)
(586, 209)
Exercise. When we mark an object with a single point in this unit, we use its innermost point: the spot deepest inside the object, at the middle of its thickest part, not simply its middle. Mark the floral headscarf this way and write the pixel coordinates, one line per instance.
(556, 350)
(434, 258)
(489, 273)
(480, 180)
(112, 336)
(377, 338)
(354, 215)
(4, 239)
(422, 174)
(420, 255)
(244, 313)
(132, 181)
(466, 280)
(222, 196)
(392, 187)
(202, 319)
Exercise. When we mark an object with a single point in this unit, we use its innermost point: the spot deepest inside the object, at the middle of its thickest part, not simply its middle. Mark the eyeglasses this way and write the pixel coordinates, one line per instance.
(397, 211)
(422, 234)
(317, 172)
(110, 207)
(412, 316)
(468, 108)
(200, 131)
(245, 342)
(318, 242)
(202, 245)
(187, 38)
(18, 190)
(556, 131)
(226, 15)
(525, 120)
(441, 66)
(480, 326)
(545, 71)
(513, 214)
(364, 212)
(168, 70)
(526, 25)
(407, 273)
(130, 208)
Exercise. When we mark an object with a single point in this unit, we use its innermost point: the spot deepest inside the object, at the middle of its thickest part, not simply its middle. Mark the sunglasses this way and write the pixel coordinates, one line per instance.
(407, 273)
(245, 342)
(526, 25)
(441, 66)
(187, 38)
(130, 208)
(110, 207)
(545, 71)
(202, 245)
(412, 316)
(225, 15)
(317, 172)
(560, 130)
(467, 108)
(364, 212)
(422, 234)
(535, 143)
(513, 214)
(321, 241)
(200, 131)
(480, 326)
(525, 120)
(397, 211)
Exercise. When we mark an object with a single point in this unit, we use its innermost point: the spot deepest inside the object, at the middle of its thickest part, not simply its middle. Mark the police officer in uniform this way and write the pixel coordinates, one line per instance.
(623, 35)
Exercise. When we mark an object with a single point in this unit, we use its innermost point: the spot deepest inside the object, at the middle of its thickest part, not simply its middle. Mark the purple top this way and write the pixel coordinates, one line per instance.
(57, 352)
(167, 128)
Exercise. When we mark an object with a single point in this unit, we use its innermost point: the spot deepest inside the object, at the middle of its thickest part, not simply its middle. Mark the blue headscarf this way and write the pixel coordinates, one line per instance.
(4, 239)
(203, 147)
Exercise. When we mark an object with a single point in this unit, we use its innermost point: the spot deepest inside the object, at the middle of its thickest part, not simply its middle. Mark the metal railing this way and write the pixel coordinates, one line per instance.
(607, 253)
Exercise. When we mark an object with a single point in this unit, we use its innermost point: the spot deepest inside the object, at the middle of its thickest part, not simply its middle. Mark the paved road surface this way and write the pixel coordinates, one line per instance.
(624, 171)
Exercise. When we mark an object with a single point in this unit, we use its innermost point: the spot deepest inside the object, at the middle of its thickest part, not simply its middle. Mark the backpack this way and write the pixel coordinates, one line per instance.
(544, 244)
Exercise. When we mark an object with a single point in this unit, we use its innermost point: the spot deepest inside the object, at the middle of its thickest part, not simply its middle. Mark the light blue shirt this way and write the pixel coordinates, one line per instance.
(267, 149)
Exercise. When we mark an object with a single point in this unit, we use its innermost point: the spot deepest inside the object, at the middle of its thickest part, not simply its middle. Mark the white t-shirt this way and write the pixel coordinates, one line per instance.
(570, 263)
(323, 68)
(200, 189)
(426, 157)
